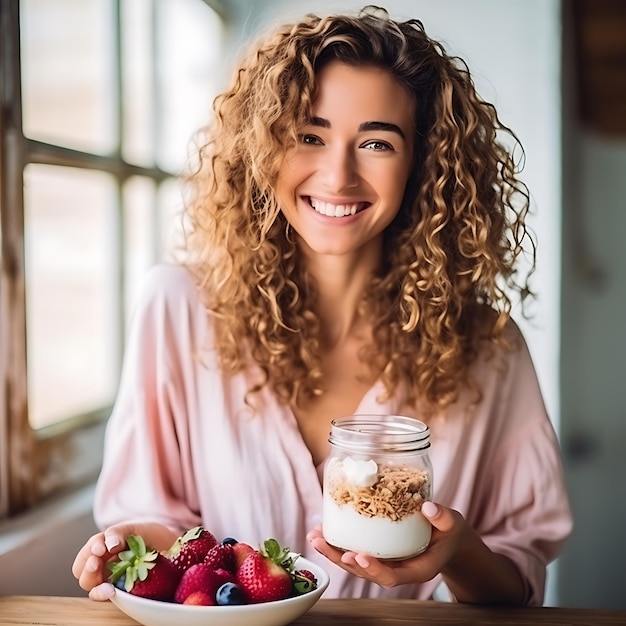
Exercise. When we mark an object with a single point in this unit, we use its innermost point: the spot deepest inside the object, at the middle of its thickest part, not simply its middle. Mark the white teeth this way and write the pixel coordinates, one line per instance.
(333, 210)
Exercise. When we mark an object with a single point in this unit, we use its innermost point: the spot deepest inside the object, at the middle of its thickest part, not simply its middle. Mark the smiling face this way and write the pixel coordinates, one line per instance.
(343, 184)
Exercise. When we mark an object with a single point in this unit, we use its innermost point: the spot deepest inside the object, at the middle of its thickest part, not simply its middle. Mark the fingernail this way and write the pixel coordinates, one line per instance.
(111, 542)
(103, 591)
(430, 509)
(108, 591)
(362, 560)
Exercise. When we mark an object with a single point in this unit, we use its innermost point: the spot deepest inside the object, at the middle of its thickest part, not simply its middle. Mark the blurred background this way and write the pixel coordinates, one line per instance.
(100, 99)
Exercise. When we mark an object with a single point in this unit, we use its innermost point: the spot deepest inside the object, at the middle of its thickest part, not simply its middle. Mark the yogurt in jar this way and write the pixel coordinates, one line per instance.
(374, 508)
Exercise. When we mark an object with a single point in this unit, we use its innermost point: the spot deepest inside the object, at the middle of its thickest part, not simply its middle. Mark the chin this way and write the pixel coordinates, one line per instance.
(328, 248)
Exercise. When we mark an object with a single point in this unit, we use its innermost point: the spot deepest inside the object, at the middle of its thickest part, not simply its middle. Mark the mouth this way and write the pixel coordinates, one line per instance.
(335, 210)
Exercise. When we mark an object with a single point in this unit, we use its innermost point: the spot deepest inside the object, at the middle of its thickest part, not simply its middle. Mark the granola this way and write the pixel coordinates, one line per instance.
(398, 492)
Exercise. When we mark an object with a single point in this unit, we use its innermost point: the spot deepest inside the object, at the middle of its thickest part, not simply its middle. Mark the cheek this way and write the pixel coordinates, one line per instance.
(393, 187)
(290, 176)
(403, 181)
(283, 185)
(287, 203)
(286, 198)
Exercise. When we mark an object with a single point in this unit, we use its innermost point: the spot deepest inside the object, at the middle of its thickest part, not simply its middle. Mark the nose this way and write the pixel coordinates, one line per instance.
(340, 169)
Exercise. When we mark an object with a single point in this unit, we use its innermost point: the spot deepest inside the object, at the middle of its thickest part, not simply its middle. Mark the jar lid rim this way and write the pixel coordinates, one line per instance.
(393, 432)
(400, 422)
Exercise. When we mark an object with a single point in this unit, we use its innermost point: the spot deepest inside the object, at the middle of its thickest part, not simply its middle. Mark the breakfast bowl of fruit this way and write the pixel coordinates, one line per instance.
(201, 581)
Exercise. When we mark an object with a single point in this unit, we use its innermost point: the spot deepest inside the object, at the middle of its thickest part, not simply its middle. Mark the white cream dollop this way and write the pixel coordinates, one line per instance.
(360, 473)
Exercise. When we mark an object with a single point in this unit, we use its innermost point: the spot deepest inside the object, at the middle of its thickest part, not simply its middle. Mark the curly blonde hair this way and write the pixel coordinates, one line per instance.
(450, 255)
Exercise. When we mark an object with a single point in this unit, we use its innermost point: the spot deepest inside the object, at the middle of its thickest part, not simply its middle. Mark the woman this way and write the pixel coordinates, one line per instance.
(354, 225)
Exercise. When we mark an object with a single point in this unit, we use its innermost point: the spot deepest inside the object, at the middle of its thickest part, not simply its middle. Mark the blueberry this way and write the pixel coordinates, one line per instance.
(229, 541)
(119, 583)
(229, 594)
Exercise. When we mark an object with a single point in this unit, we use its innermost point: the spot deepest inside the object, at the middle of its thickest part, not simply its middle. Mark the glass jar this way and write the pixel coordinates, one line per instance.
(376, 478)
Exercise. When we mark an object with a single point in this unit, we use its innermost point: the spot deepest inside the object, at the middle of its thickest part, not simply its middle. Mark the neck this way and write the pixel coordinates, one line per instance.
(341, 281)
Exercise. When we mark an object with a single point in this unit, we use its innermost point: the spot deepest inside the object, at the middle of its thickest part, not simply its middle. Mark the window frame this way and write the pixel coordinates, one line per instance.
(35, 464)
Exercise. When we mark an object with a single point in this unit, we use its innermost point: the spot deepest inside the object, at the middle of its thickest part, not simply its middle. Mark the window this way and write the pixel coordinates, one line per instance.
(99, 101)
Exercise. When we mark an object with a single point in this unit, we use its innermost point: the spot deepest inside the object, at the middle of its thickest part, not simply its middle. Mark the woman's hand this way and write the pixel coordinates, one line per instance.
(89, 566)
(448, 526)
(456, 551)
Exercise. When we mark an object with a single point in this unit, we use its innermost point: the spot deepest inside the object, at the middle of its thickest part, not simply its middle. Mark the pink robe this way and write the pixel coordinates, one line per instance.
(182, 448)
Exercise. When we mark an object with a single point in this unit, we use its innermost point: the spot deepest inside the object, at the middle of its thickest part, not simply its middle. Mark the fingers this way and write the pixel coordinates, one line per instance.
(156, 535)
(446, 523)
(442, 518)
(339, 557)
(316, 539)
(102, 592)
(98, 547)
(89, 566)
(114, 539)
(94, 545)
(316, 532)
(367, 566)
(92, 574)
(90, 569)
(357, 563)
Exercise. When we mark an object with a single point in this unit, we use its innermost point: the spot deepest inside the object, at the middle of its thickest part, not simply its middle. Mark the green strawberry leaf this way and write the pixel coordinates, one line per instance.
(279, 555)
(136, 544)
(302, 584)
(117, 569)
(135, 562)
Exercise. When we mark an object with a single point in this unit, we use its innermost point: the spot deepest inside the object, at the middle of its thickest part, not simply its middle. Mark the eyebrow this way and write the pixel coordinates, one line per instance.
(364, 126)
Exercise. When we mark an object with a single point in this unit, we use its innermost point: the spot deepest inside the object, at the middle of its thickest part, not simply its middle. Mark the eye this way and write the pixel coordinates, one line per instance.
(310, 140)
(378, 146)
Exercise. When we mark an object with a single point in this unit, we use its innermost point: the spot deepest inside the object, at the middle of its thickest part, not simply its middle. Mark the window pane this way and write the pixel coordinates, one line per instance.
(137, 22)
(72, 294)
(140, 235)
(171, 233)
(190, 66)
(68, 59)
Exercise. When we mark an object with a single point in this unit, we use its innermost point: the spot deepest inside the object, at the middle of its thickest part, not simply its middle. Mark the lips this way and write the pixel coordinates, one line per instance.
(336, 210)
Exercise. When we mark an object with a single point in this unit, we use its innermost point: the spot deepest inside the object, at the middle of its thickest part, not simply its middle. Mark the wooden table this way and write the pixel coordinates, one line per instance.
(57, 611)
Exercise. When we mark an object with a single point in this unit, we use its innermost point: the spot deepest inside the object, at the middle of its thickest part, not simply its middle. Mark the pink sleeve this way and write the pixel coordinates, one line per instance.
(147, 472)
(525, 507)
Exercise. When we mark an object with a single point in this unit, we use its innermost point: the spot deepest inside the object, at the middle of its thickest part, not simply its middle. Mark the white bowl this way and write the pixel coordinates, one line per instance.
(279, 613)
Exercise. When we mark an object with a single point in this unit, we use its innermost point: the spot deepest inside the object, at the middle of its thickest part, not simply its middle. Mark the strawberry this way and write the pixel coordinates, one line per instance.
(307, 574)
(265, 575)
(221, 556)
(201, 577)
(146, 572)
(200, 598)
(240, 552)
(191, 547)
